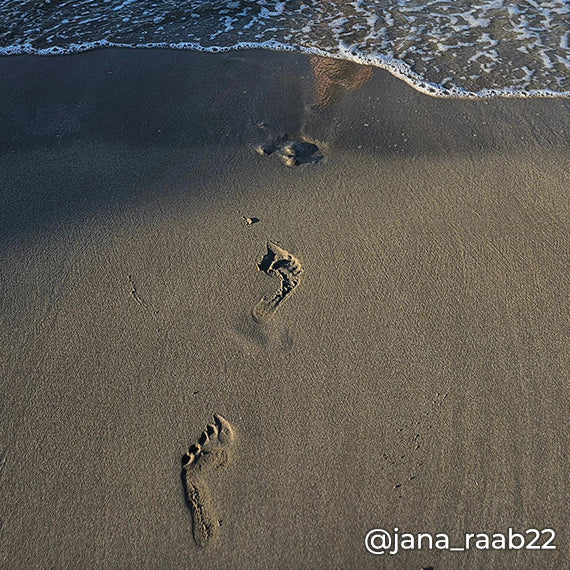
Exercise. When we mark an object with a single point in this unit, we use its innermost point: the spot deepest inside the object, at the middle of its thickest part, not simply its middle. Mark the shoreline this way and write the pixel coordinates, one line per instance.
(396, 67)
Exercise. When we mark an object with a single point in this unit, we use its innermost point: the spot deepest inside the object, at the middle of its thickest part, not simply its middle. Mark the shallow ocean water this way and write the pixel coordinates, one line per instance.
(443, 47)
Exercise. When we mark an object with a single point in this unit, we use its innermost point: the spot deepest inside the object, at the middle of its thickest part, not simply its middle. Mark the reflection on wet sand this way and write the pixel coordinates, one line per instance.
(332, 76)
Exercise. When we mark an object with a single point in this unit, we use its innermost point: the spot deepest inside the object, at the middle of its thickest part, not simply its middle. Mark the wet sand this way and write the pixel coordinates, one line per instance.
(410, 369)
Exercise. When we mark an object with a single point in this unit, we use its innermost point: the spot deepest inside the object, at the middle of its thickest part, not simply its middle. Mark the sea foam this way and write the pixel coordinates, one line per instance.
(446, 48)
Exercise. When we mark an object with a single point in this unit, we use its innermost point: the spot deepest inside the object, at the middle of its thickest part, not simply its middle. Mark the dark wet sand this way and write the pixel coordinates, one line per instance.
(416, 377)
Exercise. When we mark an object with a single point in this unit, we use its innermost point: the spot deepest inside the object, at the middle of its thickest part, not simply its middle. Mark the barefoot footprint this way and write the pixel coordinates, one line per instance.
(291, 152)
(280, 262)
(210, 453)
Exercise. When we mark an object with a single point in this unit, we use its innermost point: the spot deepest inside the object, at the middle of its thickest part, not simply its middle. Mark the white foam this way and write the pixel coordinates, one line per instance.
(396, 67)
(441, 47)
(125, 3)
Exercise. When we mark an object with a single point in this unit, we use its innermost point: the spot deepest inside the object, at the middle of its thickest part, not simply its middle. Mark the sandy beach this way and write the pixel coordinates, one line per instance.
(410, 365)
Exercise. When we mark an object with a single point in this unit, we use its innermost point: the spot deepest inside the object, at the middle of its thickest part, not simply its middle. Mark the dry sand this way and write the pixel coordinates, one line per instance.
(416, 376)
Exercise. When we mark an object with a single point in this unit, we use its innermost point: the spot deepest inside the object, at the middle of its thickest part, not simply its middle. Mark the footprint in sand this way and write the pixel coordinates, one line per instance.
(277, 262)
(207, 455)
(292, 153)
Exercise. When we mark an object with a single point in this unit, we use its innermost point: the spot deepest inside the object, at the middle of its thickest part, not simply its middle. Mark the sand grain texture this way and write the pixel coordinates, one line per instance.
(416, 378)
